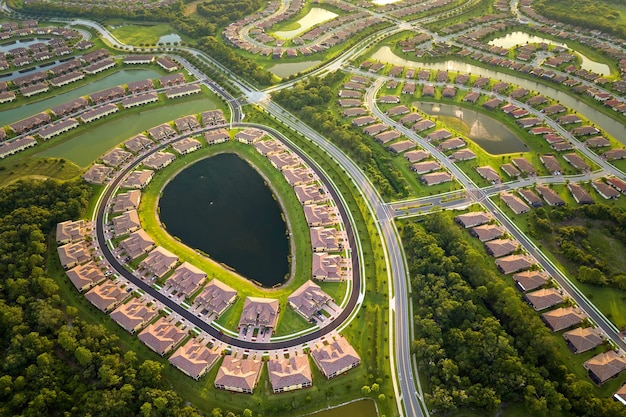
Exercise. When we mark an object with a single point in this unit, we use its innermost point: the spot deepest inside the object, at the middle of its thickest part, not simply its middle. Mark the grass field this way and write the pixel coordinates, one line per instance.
(142, 35)
(57, 168)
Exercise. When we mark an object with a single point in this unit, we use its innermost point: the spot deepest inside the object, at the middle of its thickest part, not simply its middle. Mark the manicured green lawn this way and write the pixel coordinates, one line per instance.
(57, 168)
(138, 35)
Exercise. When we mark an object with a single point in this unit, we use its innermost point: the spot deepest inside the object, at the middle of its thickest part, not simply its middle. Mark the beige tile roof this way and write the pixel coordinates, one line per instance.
(308, 299)
(562, 318)
(530, 280)
(544, 298)
(137, 244)
(291, 373)
(335, 358)
(320, 215)
(474, 218)
(194, 358)
(216, 297)
(133, 315)
(583, 339)
(85, 276)
(106, 295)
(238, 374)
(159, 261)
(126, 201)
(327, 239)
(187, 279)
(488, 232)
(501, 247)
(162, 336)
(327, 267)
(72, 231)
(259, 312)
(72, 254)
(126, 223)
(605, 366)
(514, 263)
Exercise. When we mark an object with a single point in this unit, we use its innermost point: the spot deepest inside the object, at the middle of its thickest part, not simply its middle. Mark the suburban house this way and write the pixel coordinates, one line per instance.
(139, 100)
(288, 374)
(435, 178)
(551, 196)
(308, 300)
(563, 318)
(137, 244)
(162, 336)
(238, 375)
(582, 339)
(115, 157)
(186, 280)
(260, 313)
(106, 296)
(159, 262)
(530, 197)
(331, 268)
(186, 145)
(544, 298)
(268, 147)
(298, 175)
(310, 193)
(514, 263)
(162, 132)
(607, 192)
(605, 366)
(321, 215)
(579, 193)
(216, 297)
(126, 201)
(416, 155)
(213, 117)
(402, 146)
(126, 223)
(249, 135)
(138, 179)
(501, 247)
(72, 254)
(510, 170)
(159, 160)
(182, 90)
(327, 239)
(134, 315)
(97, 173)
(213, 137)
(514, 203)
(17, 145)
(474, 218)
(138, 143)
(335, 357)
(86, 276)
(194, 358)
(488, 173)
(487, 232)
(73, 231)
(530, 280)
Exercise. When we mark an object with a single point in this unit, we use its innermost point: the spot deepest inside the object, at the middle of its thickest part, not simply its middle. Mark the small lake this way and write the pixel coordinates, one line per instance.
(120, 77)
(521, 38)
(222, 206)
(315, 16)
(6, 47)
(289, 68)
(90, 145)
(488, 133)
(169, 39)
(614, 128)
(361, 408)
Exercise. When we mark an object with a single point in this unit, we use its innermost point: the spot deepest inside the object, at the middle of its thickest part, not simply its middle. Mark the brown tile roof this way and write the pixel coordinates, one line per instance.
(530, 280)
(582, 339)
(162, 336)
(605, 366)
(216, 297)
(544, 298)
(514, 263)
(308, 299)
(501, 247)
(133, 315)
(194, 358)
(289, 374)
(106, 295)
(238, 374)
(562, 318)
(336, 357)
(474, 218)
(85, 276)
(259, 312)
(187, 279)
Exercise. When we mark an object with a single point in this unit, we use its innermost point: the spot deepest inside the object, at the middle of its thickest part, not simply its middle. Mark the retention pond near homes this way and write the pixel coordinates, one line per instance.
(222, 206)
(488, 133)
(86, 147)
(521, 38)
(315, 16)
(121, 77)
(613, 127)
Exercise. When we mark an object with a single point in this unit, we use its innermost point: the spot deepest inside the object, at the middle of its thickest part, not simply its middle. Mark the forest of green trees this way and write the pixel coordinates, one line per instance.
(51, 361)
(478, 344)
(592, 14)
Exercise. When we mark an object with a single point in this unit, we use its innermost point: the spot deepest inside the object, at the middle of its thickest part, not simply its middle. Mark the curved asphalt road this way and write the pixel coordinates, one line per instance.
(193, 319)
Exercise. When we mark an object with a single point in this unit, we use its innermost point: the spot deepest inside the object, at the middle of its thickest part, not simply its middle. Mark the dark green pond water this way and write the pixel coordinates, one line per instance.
(223, 207)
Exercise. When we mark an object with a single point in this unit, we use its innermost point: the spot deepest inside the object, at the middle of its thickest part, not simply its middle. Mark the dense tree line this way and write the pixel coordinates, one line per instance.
(310, 100)
(221, 13)
(584, 13)
(51, 361)
(238, 64)
(565, 230)
(476, 341)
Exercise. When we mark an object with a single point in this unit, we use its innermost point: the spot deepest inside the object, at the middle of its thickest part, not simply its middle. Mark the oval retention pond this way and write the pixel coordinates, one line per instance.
(223, 207)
